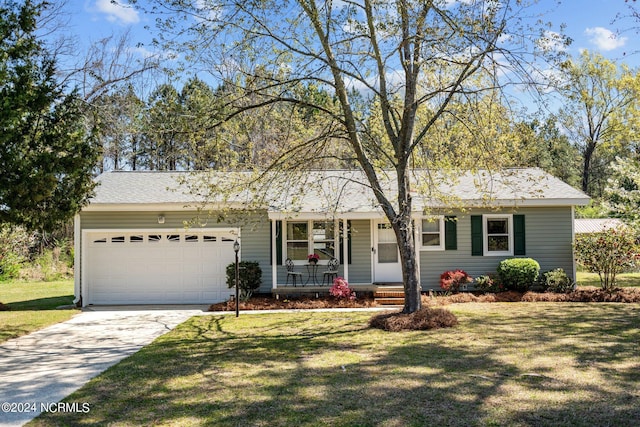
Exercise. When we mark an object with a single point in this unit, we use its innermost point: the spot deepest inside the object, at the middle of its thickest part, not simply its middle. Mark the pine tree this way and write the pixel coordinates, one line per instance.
(46, 158)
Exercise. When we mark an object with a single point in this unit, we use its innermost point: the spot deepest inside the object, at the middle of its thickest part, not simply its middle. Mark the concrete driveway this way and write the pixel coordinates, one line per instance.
(40, 369)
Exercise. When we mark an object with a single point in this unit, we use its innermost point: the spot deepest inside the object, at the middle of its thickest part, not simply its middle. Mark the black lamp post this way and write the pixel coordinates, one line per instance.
(236, 249)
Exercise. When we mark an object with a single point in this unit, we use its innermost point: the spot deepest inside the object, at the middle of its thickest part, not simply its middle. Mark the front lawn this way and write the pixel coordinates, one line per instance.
(516, 364)
(33, 306)
(623, 280)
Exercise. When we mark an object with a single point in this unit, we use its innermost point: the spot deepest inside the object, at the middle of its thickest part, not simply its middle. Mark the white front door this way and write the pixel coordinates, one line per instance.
(386, 256)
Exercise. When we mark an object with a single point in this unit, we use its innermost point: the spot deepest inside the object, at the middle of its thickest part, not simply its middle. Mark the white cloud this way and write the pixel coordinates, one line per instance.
(120, 12)
(604, 39)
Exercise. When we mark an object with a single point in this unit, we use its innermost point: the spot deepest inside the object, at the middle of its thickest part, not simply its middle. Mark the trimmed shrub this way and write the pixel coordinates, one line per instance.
(518, 274)
(249, 277)
(557, 281)
(451, 281)
(423, 319)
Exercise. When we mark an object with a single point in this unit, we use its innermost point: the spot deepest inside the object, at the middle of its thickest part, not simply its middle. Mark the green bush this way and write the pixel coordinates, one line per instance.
(557, 281)
(518, 274)
(10, 266)
(488, 283)
(608, 253)
(249, 277)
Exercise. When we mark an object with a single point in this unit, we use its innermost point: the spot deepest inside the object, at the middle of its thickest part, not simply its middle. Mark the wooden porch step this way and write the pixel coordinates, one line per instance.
(389, 297)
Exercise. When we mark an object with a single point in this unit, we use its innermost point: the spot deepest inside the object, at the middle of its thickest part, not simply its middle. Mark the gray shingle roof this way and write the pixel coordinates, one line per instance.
(596, 225)
(339, 191)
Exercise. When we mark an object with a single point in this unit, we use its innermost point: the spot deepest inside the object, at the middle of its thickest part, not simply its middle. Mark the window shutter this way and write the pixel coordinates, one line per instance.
(450, 233)
(476, 235)
(278, 243)
(519, 247)
(341, 247)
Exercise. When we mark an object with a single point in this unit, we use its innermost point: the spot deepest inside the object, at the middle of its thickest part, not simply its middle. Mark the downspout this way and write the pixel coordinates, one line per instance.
(77, 262)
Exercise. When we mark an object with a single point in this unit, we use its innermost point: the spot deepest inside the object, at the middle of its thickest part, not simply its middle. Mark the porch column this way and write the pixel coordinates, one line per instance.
(345, 249)
(274, 255)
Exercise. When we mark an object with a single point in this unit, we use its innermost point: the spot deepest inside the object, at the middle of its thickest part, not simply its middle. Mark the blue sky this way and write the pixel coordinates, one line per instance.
(588, 22)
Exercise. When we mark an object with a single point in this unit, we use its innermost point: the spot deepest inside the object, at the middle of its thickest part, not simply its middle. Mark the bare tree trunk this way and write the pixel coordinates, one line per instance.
(586, 170)
(408, 256)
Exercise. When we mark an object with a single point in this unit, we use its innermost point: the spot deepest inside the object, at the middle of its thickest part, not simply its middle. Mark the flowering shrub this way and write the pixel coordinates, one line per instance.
(313, 257)
(341, 289)
(451, 281)
(608, 253)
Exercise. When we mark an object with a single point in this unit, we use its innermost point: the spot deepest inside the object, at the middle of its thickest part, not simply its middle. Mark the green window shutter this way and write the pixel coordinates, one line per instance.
(450, 233)
(476, 235)
(519, 247)
(349, 241)
(341, 246)
(278, 243)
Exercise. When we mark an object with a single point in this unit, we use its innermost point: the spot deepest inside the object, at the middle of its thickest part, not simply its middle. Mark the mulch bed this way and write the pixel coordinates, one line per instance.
(424, 319)
(587, 294)
(270, 303)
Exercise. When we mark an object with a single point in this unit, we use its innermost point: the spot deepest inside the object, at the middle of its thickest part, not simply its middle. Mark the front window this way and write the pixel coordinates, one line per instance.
(310, 237)
(433, 233)
(498, 235)
(323, 239)
(297, 240)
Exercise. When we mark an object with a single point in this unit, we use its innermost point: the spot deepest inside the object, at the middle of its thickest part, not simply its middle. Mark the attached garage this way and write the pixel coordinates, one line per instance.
(156, 266)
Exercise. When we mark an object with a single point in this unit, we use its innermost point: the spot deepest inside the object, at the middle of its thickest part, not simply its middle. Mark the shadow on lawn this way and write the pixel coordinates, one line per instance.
(50, 303)
(287, 370)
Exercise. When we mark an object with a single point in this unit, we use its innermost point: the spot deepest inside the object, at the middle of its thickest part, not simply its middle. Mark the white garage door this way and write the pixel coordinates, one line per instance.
(157, 267)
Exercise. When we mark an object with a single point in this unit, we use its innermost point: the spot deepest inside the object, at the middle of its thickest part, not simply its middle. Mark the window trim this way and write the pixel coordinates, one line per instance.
(441, 231)
(310, 241)
(485, 234)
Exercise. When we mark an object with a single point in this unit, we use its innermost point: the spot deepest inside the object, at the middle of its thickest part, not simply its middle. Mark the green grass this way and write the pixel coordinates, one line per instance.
(515, 364)
(33, 306)
(622, 280)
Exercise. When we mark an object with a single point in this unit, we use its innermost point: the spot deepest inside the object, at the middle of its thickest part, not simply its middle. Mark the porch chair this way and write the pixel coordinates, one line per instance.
(293, 274)
(331, 272)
